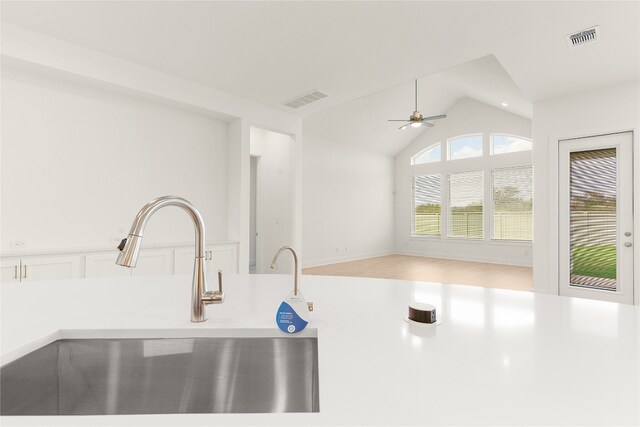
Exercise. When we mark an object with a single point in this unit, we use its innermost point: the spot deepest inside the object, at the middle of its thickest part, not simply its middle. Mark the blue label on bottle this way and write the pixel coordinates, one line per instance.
(289, 320)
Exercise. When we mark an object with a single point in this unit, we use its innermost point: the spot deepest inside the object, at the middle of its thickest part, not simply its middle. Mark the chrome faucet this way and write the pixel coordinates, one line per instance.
(295, 260)
(296, 273)
(130, 247)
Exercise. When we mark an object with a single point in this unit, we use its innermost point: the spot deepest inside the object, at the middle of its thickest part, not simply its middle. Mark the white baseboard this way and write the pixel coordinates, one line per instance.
(344, 258)
(474, 258)
(458, 257)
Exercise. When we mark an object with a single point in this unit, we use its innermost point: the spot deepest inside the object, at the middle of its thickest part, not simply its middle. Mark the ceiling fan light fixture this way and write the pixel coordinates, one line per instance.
(416, 119)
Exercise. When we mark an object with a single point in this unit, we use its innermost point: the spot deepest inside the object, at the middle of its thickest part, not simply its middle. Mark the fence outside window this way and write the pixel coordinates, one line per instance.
(507, 225)
(512, 225)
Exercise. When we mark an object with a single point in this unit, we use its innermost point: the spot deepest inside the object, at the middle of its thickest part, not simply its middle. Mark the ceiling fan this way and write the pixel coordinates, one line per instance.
(416, 120)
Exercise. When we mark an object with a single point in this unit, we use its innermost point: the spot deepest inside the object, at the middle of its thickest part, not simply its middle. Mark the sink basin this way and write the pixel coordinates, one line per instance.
(163, 376)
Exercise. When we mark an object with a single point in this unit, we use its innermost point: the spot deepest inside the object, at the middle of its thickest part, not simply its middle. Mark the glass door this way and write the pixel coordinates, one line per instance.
(596, 217)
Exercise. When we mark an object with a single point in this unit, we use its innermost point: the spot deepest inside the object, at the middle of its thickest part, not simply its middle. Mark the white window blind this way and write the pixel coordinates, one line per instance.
(593, 218)
(426, 205)
(512, 203)
(465, 205)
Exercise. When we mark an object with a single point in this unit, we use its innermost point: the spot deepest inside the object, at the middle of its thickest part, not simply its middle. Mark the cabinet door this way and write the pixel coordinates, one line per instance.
(10, 270)
(104, 265)
(153, 262)
(183, 259)
(225, 258)
(50, 268)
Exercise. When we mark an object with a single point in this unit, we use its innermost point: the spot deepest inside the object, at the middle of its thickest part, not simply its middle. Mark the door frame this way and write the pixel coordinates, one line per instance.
(624, 153)
(553, 278)
(257, 208)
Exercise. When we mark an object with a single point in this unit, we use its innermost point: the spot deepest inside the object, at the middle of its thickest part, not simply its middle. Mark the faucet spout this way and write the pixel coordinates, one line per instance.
(295, 260)
(130, 248)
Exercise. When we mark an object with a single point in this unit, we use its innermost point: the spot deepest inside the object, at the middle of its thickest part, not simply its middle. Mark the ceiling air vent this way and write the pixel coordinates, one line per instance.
(583, 37)
(305, 99)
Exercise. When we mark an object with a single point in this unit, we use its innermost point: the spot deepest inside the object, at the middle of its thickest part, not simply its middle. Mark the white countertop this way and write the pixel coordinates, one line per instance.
(498, 358)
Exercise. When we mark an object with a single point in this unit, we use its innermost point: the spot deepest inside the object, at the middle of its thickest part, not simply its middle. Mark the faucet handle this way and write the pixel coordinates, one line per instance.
(214, 297)
(122, 243)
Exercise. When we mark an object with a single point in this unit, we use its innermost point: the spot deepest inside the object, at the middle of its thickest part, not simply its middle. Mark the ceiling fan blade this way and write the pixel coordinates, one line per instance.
(441, 116)
(404, 126)
(405, 120)
(430, 125)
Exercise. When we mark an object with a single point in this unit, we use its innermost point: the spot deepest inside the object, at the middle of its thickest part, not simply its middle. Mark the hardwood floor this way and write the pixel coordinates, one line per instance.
(432, 270)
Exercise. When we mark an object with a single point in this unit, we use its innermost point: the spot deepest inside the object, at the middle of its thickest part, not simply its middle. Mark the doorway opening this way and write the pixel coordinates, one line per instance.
(272, 199)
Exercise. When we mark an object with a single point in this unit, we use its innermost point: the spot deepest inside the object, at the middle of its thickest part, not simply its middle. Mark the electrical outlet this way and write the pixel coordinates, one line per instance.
(18, 244)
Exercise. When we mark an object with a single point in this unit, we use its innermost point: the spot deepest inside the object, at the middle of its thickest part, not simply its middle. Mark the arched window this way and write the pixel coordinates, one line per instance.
(452, 199)
(464, 147)
(502, 144)
(430, 154)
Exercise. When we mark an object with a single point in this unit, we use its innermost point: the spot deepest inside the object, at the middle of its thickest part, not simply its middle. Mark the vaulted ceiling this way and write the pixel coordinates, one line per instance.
(270, 52)
(363, 122)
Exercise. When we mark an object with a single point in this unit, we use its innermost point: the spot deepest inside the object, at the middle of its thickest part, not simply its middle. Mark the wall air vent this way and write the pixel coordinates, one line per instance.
(583, 37)
(308, 98)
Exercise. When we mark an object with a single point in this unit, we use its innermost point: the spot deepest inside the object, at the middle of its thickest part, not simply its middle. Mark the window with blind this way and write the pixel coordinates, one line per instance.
(426, 205)
(512, 202)
(593, 218)
(465, 205)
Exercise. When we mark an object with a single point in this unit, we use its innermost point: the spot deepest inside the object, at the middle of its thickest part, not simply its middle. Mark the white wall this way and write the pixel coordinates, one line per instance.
(605, 110)
(275, 198)
(465, 117)
(30, 50)
(347, 202)
(78, 163)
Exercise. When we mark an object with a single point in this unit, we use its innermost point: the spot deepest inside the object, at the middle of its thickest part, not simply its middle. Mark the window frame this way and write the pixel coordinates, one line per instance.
(412, 161)
(449, 216)
(480, 134)
(487, 163)
(492, 210)
(412, 233)
(492, 134)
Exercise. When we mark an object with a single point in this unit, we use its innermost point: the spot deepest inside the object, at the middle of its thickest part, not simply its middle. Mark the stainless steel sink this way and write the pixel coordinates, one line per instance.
(163, 376)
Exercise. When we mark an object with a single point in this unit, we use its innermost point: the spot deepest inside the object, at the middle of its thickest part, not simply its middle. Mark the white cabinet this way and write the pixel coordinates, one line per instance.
(33, 268)
(183, 260)
(225, 258)
(218, 257)
(153, 262)
(11, 270)
(150, 262)
(104, 265)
